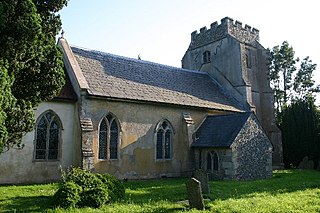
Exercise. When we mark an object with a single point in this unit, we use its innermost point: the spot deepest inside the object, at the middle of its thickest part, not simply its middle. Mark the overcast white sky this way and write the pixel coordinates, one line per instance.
(159, 30)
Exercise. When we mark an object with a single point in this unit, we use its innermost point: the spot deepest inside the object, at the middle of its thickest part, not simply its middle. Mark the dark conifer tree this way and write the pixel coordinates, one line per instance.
(31, 67)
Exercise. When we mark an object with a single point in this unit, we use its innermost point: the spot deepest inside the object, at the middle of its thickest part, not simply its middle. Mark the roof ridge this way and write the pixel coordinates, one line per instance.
(137, 60)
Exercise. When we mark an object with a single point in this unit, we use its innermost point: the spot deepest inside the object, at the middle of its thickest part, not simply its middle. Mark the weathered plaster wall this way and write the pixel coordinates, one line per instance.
(19, 166)
(252, 152)
(138, 121)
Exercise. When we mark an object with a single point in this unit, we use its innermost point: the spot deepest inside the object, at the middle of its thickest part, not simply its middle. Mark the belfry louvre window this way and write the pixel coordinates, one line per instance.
(164, 140)
(47, 142)
(206, 57)
(108, 138)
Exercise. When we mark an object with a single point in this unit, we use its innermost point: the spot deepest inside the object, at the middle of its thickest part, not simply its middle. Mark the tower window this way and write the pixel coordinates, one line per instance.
(206, 57)
(248, 58)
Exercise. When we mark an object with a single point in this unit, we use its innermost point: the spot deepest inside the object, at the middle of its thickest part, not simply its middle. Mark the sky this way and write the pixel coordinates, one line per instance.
(160, 30)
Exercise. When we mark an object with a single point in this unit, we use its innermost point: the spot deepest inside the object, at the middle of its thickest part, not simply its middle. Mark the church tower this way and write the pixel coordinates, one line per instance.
(232, 55)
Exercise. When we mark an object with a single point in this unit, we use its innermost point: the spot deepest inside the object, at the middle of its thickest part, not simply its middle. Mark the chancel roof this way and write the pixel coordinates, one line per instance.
(220, 130)
(119, 77)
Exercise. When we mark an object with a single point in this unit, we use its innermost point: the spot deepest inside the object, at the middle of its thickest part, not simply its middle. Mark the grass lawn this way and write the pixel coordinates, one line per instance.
(287, 191)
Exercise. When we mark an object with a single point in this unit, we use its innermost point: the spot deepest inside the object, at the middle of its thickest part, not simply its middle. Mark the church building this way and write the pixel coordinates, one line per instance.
(138, 120)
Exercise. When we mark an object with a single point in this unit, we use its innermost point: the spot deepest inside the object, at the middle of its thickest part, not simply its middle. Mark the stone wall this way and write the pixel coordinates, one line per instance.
(252, 152)
(217, 32)
(228, 44)
(226, 167)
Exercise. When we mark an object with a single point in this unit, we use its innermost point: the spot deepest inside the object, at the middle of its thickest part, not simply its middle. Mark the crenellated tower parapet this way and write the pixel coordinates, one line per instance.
(216, 32)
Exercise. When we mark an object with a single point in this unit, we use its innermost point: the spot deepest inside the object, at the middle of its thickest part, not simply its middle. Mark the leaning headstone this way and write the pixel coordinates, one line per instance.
(195, 194)
(202, 176)
(306, 163)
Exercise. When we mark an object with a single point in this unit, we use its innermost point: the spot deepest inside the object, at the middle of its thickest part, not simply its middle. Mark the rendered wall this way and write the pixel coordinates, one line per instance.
(137, 158)
(19, 166)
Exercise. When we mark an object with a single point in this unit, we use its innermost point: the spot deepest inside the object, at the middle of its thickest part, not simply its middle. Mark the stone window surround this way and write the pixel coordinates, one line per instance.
(157, 129)
(214, 156)
(113, 119)
(60, 128)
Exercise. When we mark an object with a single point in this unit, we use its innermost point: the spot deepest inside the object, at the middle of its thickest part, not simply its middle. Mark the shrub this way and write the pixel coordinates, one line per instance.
(115, 186)
(95, 197)
(82, 188)
(67, 194)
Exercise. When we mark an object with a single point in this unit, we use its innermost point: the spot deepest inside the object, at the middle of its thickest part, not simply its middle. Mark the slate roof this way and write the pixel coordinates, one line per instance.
(125, 78)
(220, 131)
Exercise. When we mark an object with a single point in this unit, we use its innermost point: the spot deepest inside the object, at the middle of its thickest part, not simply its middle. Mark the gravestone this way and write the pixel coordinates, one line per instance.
(202, 176)
(306, 163)
(195, 194)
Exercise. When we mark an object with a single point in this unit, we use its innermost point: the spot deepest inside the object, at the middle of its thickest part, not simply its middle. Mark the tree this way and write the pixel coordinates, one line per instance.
(287, 84)
(30, 63)
(304, 86)
(296, 112)
(300, 130)
(282, 65)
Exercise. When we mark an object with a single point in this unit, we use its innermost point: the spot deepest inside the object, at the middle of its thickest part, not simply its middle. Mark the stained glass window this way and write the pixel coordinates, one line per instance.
(113, 140)
(108, 138)
(164, 140)
(159, 144)
(103, 132)
(167, 144)
(47, 137)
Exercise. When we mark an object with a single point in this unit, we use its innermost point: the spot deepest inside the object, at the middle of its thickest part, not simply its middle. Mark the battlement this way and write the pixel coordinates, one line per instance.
(228, 26)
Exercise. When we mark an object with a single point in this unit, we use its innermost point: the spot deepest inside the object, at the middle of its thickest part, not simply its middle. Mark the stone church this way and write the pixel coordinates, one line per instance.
(137, 119)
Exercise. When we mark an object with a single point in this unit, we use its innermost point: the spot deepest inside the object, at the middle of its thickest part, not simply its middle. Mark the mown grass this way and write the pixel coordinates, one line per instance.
(287, 191)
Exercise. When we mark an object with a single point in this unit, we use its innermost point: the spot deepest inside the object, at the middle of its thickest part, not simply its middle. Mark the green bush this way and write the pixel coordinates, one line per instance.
(115, 186)
(82, 188)
(82, 177)
(95, 197)
(67, 194)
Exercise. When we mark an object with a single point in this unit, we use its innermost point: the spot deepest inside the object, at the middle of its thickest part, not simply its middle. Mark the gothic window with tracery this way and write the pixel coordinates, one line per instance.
(164, 133)
(48, 137)
(206, 57)
(212, 161)
(108, 138)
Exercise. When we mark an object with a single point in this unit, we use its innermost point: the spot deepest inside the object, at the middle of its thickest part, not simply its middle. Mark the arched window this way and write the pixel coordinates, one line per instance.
(47, 141)
(164, 133)
(108, 138)
(212, 161)
(206, 57)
